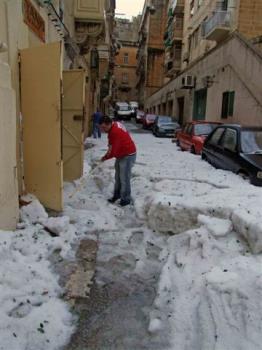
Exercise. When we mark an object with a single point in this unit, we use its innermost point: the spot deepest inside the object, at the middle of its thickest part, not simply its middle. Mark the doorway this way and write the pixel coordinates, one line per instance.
(200, 101)
(52, 137)
(181, 106)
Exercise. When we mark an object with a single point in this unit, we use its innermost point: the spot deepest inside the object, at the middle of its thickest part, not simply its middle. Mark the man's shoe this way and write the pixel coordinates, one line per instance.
(123, 203)
(113, 199)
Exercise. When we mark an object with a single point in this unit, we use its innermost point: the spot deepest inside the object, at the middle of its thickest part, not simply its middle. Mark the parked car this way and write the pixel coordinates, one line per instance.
(134, 107)
(139, 116)
(192, 136)
(148, 121)
(123, 111)
(164, 126)
(236, 148)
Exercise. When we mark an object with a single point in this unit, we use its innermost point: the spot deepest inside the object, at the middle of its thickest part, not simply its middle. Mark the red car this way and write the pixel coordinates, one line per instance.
(139, 116)
(192, 136)
(148, 121)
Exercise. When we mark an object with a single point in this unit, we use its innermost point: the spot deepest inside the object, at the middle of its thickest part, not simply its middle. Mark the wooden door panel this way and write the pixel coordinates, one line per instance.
(42, 130)
(73, 123)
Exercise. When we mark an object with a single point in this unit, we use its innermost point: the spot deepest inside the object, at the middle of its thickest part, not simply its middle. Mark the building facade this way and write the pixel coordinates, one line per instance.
(126, 33)
(151, 50)
(209, 22)
(173, 37)
(220, 77)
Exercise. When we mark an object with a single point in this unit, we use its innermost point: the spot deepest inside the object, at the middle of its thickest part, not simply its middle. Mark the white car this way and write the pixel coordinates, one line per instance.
(123, 111)
(134, 107)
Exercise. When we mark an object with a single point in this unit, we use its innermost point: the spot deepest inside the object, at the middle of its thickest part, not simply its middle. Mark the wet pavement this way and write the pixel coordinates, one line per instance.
(115, 314)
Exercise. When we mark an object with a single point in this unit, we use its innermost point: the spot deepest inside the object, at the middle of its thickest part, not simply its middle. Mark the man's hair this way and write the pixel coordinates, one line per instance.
(105, 120)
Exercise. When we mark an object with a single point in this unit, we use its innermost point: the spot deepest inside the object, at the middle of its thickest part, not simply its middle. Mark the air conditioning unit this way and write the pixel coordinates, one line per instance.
(188, 82)
(186, 56)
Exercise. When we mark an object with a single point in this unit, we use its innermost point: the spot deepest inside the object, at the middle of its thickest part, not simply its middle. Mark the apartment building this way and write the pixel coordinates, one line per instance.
(151, 50)
(126, 33)
(209, 22)
(173, 37)
(220, 77)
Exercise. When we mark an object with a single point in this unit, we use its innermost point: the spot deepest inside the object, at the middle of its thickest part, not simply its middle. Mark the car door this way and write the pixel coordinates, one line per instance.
(154, 127)
(182, 136)
(229, 155)
(188, 137)
(213, 149)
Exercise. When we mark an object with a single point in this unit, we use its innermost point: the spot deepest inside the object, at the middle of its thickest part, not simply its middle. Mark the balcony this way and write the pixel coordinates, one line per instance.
(218, 26)
(89, 10)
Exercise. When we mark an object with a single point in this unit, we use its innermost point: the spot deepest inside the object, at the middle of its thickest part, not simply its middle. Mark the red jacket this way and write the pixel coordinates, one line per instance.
(120, 142)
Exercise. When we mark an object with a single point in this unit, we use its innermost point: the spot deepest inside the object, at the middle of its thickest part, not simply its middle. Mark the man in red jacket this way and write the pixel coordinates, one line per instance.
(122, 147)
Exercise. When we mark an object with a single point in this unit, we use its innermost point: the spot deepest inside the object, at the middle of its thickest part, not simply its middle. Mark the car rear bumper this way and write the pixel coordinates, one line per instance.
(124, 116)
(166, 133)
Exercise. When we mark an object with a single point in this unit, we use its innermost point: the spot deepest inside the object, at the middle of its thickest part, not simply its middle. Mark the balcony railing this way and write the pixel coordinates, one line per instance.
(219, 20)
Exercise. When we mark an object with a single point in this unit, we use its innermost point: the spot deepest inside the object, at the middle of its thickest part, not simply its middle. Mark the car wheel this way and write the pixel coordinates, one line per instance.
(244, 175)
(204, 157)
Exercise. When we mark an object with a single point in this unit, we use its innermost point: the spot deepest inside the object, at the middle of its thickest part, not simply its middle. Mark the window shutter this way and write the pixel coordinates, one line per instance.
(231, 103)
(224, 113)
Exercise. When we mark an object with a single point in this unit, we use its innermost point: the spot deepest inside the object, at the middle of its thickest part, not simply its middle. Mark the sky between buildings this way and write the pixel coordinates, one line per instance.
(129, 7)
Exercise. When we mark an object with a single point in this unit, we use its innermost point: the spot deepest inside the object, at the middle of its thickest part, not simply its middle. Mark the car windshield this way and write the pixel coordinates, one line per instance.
(123, 108)
(251, 141)
(151, 117)
(165, 120)
(204, 129)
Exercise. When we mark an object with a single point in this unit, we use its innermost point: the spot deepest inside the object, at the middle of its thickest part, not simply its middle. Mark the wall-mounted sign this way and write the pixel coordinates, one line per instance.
(33, 19)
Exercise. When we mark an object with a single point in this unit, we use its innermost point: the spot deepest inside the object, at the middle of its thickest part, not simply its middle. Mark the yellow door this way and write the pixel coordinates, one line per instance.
(73, 123)
(41, 74)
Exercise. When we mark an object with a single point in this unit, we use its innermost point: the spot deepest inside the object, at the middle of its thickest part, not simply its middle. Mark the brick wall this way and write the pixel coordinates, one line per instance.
(125, 74)
(250, 18)
(155, 72)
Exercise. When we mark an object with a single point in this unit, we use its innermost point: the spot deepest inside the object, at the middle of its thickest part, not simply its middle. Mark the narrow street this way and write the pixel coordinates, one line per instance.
(139, 298)
(178, 264)
(127, 268)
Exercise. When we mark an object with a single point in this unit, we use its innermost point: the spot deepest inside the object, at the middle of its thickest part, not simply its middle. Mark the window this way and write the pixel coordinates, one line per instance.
(179, 21)
(192, 8)
(204, 129)
(222, 5)
(229, 141)
(214, 140)
(125, 58)
(185, 128)
(228, 104)
(251, 141)
(125, 78)
(189, 129)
